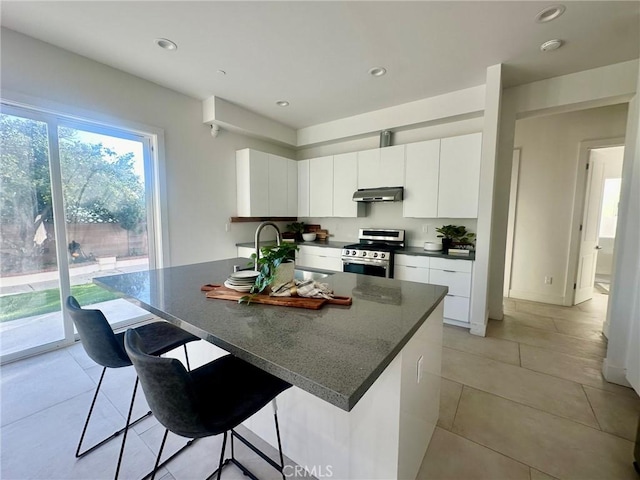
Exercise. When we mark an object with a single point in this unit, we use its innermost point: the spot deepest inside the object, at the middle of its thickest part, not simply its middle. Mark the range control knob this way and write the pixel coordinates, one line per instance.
(375, 254)
(364, 254)
(382, 255)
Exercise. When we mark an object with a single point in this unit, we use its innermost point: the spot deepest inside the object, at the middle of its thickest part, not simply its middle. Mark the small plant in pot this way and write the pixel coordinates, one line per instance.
(297, 228)
(275, 267)
(455, 235)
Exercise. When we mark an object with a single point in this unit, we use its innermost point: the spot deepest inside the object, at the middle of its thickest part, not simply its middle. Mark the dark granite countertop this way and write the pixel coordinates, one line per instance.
(335, 353)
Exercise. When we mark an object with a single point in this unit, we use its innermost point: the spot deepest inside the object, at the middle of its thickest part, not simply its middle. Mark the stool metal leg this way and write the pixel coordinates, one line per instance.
(155, 467)
(126, 428)
(80, 454)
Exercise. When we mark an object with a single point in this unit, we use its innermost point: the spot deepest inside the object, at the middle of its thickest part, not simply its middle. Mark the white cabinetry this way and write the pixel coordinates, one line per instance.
(345, 182)
(323, 258)
(455, 274)
(265, 185)
(381, 167)
(459, 176)
(245, 252)
(303, 188)
(321, 187)
(422, 169)
(412, 268)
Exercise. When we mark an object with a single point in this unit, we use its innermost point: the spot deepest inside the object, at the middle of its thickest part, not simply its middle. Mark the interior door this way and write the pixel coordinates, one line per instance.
(590, 231)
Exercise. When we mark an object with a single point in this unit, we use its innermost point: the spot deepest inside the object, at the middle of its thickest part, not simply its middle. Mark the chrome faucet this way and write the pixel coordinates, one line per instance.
(257, 239)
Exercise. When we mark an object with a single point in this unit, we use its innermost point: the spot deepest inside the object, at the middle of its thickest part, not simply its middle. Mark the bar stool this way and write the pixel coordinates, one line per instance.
(212, 399)
(106, 348)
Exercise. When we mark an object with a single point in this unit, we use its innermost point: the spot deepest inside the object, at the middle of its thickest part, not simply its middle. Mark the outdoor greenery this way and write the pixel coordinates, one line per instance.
(99, 186)
(25, 305)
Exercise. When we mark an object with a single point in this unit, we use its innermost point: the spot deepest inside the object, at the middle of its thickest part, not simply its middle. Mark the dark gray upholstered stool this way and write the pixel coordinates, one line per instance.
(209, 400)
(106, 348)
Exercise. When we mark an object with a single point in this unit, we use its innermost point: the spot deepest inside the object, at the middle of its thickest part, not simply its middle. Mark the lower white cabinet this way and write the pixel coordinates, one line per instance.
(455, 274)
(322, 258)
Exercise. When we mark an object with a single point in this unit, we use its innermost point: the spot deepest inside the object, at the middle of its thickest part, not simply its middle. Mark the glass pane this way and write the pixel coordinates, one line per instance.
(106, 218)
(30, 312)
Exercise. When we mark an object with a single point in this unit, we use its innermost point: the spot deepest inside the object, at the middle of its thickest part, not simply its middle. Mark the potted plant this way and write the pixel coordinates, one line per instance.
(275, 266)
(297, 228)
(455, 234)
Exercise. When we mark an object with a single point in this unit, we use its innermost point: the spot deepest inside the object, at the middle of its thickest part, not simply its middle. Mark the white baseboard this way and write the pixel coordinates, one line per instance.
(537, 297)
(615, 374)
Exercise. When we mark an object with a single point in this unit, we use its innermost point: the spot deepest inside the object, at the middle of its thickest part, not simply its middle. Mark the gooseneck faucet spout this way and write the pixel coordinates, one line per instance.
(257, 239)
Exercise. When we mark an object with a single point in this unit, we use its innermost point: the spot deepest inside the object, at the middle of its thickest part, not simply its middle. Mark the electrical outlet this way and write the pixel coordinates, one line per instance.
(419, 369)
(425, 228)
(227, 227)
(548, 280)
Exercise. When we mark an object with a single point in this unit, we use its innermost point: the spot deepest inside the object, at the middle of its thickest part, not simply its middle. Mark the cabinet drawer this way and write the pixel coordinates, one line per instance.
(411, 274)
(456, 308)
(320, 251)
(452, 265)
(459, 283)
(321, 263)
(412, 260)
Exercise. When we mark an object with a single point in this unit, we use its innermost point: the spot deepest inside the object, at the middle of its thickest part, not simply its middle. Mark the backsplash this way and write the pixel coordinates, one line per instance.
(388, 215)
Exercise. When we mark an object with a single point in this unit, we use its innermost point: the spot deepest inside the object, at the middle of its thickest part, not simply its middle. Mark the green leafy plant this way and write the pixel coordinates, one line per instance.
(271, 257)
(457, 234)
(297, 228)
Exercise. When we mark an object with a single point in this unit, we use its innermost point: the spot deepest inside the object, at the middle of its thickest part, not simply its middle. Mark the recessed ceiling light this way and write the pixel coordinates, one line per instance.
(166, 44)
(551, 45)
(282, 103)
(550, 13)
(377, 71)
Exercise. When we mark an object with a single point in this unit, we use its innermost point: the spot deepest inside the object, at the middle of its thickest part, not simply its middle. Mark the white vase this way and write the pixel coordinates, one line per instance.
(284, 274)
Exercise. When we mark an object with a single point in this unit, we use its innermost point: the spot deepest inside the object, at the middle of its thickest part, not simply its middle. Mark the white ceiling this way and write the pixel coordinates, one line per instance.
(316, 54)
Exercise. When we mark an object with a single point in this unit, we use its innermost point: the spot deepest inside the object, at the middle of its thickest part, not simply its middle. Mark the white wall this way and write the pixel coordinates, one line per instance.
(200, 170)
(548, 180)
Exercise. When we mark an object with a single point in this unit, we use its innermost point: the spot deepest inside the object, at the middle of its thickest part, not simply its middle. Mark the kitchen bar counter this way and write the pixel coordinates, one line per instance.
(366, 377)
(335, 353)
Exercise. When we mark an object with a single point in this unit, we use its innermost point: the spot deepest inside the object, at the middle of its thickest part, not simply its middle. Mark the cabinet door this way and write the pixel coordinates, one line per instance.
(391, 169)
(459, 176)
(303, 188)
(321, 187)
(422, 166)
(252, 184)
(410, 273)
(369, 168)
(345, 182)
(278, 173)
(292, 188)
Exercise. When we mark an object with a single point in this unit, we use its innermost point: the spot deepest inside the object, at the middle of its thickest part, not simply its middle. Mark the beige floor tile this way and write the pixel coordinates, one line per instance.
(548, 393)
(530, 320)
(538, 475)
(560, 447)
(616, 414)
(495, 348)
(443, 461)
(587, 371)
(509, 304)
(547, 339)
(591, 330)
(449, 398)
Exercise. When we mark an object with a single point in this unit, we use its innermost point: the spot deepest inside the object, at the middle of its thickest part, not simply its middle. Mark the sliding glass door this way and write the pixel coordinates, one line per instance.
(76, 203)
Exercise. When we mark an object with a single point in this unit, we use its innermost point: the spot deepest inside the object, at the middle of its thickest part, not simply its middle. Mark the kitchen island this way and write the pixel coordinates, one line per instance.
(366, 377)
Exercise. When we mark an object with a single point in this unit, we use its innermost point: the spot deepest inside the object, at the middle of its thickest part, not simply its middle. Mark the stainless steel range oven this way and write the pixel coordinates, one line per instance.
(373, 254)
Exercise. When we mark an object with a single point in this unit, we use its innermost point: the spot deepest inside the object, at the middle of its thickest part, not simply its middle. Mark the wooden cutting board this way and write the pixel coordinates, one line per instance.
(224, 293)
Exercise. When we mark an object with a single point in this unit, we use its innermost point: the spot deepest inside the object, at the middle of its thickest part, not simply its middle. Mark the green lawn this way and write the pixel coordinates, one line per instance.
(24, 305)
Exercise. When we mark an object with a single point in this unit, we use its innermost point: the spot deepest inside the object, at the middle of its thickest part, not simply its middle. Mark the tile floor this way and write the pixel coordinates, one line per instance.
(529, 401)
(526, 402)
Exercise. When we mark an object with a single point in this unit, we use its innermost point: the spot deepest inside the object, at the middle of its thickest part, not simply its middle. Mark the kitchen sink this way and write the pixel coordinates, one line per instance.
(307, 275)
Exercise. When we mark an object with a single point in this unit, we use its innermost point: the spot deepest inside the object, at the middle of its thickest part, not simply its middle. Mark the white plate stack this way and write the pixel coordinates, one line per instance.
(241, 281)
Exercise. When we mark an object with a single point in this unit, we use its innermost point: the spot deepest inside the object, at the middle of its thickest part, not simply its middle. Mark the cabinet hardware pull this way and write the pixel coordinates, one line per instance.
(449, 271)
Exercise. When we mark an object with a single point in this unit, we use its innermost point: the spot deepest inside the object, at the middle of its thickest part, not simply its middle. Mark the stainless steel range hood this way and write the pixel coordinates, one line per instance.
(383, 194)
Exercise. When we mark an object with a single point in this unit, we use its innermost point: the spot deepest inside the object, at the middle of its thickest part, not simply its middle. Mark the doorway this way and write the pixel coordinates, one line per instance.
(598, 227)
(76, 202)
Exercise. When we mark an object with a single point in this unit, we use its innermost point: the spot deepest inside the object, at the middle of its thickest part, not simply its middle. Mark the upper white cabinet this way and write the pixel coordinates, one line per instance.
(345, 182)
(321, 187)
(459, 176)
(381, 167)
(422, 169)
(265, 184)
(303, 188)
(252, 181)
